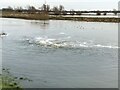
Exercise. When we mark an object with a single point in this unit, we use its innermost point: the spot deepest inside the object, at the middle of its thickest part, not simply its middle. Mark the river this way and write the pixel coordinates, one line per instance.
(61, 54)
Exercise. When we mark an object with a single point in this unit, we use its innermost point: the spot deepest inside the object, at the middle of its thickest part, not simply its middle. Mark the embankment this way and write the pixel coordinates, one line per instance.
(48, 17)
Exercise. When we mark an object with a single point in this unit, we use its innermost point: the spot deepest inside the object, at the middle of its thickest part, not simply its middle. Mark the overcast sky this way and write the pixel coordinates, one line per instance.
(68, 4)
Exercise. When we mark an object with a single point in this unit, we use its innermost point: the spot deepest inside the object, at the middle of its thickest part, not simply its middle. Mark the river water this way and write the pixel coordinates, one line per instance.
(61, 54)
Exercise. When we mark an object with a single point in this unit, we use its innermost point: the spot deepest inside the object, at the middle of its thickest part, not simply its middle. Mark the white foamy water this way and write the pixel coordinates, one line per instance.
(60, 43)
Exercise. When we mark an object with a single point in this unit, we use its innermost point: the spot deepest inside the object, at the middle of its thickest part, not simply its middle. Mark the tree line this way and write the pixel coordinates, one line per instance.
(57, 10)
(44, 8)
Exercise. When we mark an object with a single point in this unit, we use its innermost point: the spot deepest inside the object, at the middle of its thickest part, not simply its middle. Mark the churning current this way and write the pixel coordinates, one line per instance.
(61, 54)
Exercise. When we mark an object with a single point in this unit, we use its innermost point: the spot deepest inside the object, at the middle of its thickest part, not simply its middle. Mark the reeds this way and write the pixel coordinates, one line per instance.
(34, 16)
(45, 16)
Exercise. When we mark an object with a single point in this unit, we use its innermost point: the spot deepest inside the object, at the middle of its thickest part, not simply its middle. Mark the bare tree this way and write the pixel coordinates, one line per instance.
(31, 8)
(44, 7)
(48, 8)
(61, 8)
(19, 8)
(56, 10)
(10, 8)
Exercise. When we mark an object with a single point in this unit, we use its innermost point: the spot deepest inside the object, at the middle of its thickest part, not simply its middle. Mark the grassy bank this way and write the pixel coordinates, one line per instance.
(10, 82)
(47, 17)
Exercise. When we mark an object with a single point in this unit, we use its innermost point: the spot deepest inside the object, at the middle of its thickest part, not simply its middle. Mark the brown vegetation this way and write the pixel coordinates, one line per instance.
(44, 16)
(36, 16)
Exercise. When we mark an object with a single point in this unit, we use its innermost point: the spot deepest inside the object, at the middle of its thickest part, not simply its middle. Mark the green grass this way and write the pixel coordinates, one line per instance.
(10, 82)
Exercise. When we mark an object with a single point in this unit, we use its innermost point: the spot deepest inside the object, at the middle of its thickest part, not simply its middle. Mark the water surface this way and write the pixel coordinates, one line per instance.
(61, 54)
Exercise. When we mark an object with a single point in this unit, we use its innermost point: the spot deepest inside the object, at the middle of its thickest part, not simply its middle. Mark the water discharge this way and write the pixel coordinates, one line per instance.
(61, 54)
(66, 43)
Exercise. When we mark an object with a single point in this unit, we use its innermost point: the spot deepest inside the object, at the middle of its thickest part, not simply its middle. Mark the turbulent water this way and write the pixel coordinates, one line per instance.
(61, 54)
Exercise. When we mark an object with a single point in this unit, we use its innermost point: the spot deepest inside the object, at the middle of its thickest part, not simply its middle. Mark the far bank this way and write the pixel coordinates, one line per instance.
(60, 17)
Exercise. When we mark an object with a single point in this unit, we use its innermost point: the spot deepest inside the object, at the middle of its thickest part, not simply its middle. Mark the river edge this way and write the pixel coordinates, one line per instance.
(87, 19)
